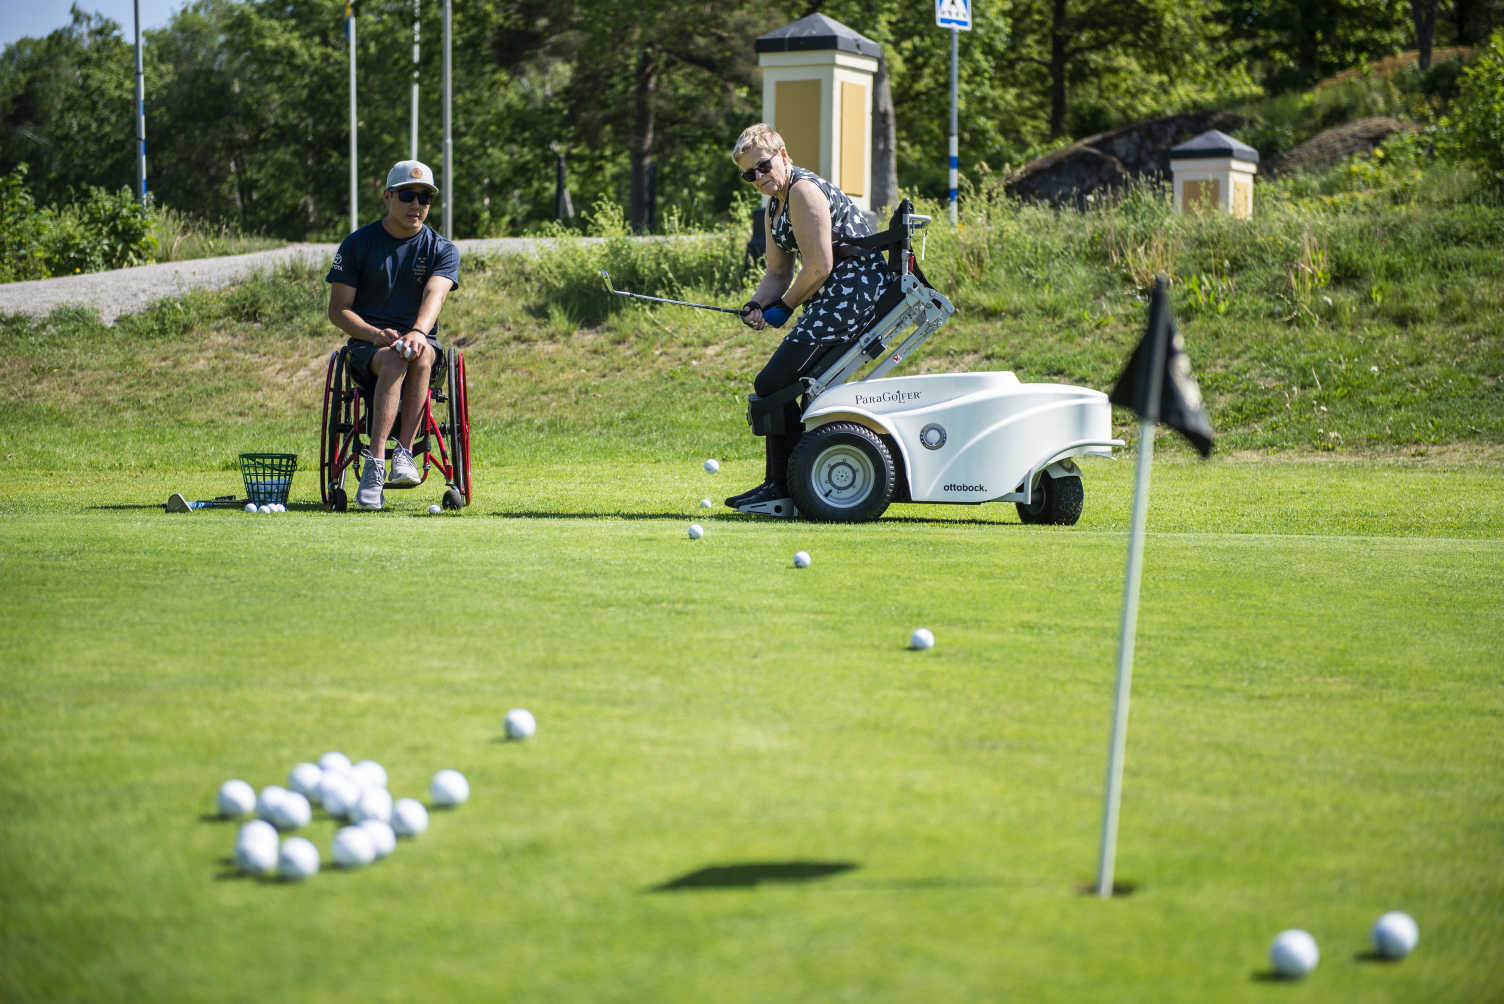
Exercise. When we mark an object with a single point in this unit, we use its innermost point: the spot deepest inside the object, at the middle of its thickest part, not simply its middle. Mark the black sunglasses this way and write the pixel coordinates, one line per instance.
(763, 167)
(409, 194)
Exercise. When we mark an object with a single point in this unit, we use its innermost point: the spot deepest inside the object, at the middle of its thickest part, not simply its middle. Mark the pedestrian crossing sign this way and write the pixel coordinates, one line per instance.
(953, 14)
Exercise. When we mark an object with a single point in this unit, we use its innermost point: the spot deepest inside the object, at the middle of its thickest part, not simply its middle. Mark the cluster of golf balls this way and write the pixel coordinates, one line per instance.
(265, 507)
(355, 794)
(1294, 954)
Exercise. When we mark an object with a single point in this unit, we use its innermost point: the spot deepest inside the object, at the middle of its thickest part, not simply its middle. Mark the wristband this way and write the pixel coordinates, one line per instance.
(777, 313)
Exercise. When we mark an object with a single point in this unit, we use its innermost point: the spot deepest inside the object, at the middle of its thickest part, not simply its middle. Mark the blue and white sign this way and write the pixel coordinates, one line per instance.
(953, 14)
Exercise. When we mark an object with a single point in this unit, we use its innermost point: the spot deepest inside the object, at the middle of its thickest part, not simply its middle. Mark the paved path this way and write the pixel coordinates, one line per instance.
(128, 290)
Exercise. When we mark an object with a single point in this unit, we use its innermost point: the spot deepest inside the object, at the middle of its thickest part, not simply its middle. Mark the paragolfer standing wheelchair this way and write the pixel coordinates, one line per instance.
(443, 446)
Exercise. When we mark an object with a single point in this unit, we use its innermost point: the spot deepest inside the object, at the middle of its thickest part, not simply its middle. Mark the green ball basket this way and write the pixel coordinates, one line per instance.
(268, 476)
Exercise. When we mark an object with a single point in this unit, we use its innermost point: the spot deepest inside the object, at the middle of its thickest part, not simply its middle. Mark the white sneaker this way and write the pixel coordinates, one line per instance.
(404, 469)
(372, 479)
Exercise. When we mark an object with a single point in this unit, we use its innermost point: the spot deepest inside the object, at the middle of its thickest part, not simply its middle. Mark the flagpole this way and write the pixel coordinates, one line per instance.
(1126, 633)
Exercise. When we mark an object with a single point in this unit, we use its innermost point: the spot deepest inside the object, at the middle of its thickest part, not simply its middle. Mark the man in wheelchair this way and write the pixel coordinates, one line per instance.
(386, 288)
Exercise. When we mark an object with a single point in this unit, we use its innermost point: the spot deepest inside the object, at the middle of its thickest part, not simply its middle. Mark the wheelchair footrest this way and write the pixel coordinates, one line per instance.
(783, 508)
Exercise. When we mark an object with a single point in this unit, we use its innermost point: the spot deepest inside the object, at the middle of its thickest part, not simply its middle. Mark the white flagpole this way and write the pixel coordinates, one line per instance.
(1125, 660)
(354, 164)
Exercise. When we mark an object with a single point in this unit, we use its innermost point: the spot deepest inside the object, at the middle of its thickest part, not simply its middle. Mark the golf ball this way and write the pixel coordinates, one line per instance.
(304, 779)
(434, 509)
(1293, 953)
(696, 531)
(334, 760)
(338, 794)
(268, 802)
(704, 503)
(371, 773)
(383, 838)
(921, 639)
(250, 507)
(256, 848)
(449, 788)
(1395, 934)
(712, 465)
(236, 798)
(409, 818)
(519, 724)
(298, 860)
(291, 811)
(352, 847)
(264, 509)
(801, 559)
(375, 803)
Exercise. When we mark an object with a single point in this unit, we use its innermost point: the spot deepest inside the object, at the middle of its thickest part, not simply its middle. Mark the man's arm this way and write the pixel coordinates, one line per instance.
(343, 316)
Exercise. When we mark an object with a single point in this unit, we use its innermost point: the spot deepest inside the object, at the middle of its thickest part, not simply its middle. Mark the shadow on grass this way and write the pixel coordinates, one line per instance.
(751, 874)
(732, 517)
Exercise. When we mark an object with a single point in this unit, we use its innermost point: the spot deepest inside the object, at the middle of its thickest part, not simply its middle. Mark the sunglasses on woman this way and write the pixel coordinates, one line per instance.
(409, 194)
(763, 167)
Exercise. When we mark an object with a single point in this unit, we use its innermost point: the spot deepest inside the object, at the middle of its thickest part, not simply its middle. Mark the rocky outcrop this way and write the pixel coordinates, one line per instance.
(1110, 160)
(1334, 146)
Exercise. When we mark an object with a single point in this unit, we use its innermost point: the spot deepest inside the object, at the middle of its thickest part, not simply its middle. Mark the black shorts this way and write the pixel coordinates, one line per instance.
(359, 353)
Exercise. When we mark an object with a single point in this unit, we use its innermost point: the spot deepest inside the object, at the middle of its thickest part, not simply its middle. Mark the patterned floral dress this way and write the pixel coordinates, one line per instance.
(845, 301)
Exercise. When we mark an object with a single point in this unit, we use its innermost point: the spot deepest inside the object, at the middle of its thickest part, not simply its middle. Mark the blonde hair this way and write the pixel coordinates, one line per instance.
(761, 135)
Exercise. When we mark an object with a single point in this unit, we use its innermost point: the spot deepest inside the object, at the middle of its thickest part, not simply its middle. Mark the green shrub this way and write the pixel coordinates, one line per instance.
(1475, 124)
(103, 230)
(21, 254)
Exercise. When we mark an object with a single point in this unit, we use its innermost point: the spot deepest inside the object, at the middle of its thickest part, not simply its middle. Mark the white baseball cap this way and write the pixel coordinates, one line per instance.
(410, 172)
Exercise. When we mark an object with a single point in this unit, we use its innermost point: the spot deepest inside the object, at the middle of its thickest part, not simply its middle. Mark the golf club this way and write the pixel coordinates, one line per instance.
(658, 299)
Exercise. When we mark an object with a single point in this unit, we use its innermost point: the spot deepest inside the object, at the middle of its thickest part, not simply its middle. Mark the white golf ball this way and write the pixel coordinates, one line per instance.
(250, 507)
(291, 812)
(519, 724)
(334, 760)
(434, 509)
(409, 818)
(704, 503)
(352, 847)
(298, 859)
(304, 779)
(236, 798)
(264, 509)
(1395, 934)
(256, 848)
(371, 773)
(375, 803)
(1293, 953)
(449, 788)
(696, 531)
(338, 794)
(383, 838)
(712, 465)
(801, 559)
(268, 802)
(921, 639)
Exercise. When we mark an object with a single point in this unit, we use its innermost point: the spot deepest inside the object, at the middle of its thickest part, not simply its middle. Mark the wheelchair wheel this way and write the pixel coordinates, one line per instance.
(331, 475)
(1057, 501)
(458, 429)
(842, 473)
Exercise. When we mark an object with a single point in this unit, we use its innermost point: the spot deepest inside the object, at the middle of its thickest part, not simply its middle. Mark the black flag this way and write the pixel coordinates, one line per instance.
(1157, 382)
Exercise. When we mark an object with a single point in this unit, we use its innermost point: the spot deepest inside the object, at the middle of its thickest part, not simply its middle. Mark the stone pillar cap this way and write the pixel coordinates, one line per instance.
(1214, 144)
(817, 32)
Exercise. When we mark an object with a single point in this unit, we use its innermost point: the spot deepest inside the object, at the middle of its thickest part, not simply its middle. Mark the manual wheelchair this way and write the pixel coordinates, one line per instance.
(442, 446)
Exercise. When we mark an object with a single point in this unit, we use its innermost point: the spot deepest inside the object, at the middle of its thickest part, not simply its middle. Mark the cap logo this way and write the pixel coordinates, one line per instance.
(417, 172)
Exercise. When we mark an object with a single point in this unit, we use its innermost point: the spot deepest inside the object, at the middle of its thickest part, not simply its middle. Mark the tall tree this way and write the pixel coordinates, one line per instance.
(1424, 12)
(1292, 44)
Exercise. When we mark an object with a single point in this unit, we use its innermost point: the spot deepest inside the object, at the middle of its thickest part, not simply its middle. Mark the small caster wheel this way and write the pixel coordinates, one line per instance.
(338, 501)
(453, 499)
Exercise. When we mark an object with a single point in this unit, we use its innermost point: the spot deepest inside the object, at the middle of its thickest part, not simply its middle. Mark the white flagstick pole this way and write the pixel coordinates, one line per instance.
(1125, 660)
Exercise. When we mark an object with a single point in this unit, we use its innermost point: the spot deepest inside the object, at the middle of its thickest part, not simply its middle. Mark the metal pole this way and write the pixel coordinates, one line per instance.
(955, 147)
(416, 5)
(140, 114)
(448, 194)
(354, 167)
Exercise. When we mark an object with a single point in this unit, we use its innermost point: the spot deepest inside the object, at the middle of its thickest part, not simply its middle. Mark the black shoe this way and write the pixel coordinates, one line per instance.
(767, 492)
(737, 500)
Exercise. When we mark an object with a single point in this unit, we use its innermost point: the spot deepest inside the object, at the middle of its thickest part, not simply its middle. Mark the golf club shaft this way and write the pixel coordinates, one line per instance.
(660, 299)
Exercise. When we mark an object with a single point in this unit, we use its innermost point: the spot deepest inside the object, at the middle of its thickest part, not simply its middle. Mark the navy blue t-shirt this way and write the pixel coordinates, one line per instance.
(389, 273)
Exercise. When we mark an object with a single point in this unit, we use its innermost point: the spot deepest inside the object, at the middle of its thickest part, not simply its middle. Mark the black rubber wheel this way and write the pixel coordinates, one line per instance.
(338, 501)
(1057, 501)
(453, 499)
(841, 473)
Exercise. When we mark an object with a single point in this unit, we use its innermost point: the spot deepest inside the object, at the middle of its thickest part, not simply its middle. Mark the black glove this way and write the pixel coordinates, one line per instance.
(747, 308)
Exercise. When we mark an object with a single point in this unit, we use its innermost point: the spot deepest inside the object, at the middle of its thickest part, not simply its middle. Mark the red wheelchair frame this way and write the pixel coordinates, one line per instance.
(347, 427)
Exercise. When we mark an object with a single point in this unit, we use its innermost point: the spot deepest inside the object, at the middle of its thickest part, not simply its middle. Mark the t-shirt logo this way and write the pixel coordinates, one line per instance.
(420, 268)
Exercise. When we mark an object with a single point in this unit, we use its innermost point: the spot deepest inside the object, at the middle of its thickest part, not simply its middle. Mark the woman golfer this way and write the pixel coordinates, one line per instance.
(837, 289)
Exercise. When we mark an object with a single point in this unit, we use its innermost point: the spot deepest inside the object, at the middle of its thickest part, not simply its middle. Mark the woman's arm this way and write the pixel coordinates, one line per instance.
(809, 212)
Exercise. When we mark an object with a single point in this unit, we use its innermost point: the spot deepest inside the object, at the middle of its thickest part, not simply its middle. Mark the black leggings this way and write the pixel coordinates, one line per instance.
(790, 361)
